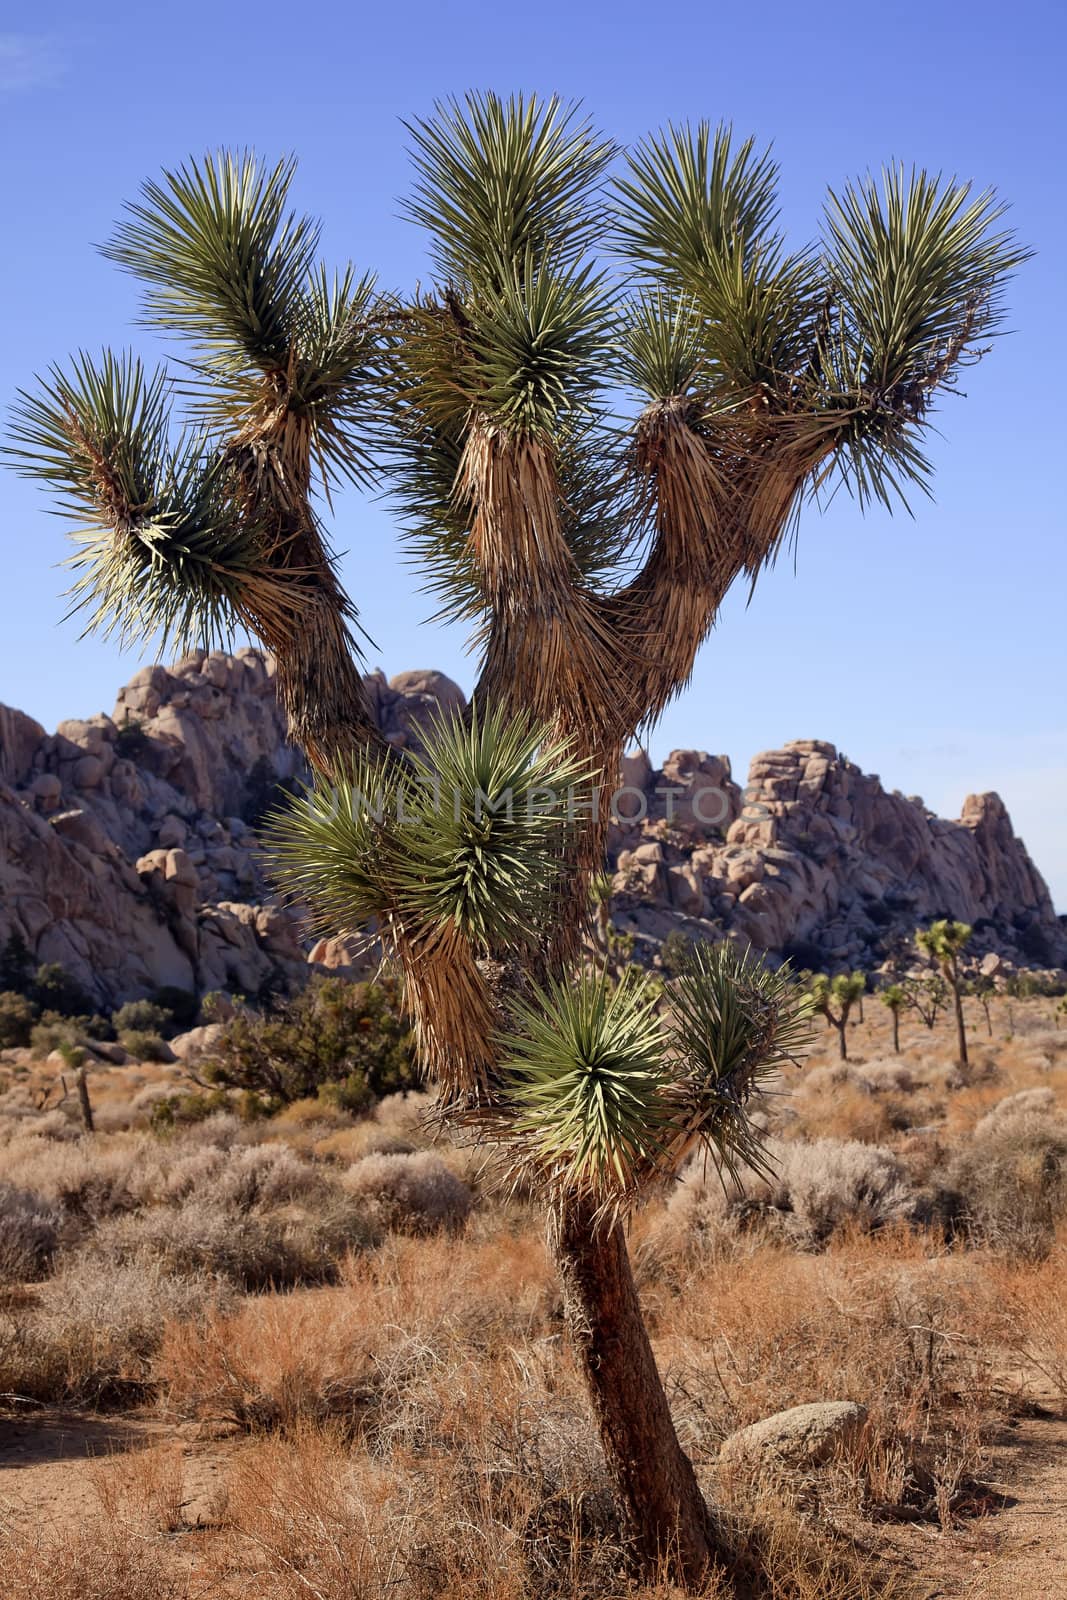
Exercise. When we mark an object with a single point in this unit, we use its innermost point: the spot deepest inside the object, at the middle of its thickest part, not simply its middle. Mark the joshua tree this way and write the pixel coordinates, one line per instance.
(589, 546)
(983, 987)
(896, 999)
(844, 991)
(926, 996)
(943, 941)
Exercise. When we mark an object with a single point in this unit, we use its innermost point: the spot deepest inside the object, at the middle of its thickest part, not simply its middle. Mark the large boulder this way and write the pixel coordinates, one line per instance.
(795, 1440)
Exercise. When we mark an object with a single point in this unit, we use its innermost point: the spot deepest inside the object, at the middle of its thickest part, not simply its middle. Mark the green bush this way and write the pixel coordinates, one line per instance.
(675, 952)
(348, 1038)
(131, 741)
(140, 1016)
(143, 1045)
(17, 1017)
(54, 1029)
(179, 1110)
(16, 964)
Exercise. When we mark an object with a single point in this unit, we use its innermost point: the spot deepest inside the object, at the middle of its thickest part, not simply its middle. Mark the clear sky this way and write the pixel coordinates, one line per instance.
(930, 650)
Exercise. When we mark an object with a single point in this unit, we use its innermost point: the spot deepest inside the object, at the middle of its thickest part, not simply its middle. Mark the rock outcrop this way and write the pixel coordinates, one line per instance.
(128, 848)
(817, 859)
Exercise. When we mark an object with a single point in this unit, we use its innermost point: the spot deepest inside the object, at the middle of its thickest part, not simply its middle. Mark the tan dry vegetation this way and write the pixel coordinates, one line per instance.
(378, 1341)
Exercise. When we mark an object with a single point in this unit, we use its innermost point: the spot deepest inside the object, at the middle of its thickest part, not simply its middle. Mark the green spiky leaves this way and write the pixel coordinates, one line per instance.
(585, 1074)
(607, 1097)
(223, 259)
(944, 940)
(919, 270)
(502, 181)
(466, 835)
(230, 268)
(736, 1023)
(159, 549)
(517, 334)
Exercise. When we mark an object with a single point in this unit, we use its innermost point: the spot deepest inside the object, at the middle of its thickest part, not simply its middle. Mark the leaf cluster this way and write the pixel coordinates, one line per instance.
(464, 836)
(606, 1096)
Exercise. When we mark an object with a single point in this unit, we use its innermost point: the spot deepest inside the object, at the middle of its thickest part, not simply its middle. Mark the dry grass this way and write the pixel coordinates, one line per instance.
(409, 1417)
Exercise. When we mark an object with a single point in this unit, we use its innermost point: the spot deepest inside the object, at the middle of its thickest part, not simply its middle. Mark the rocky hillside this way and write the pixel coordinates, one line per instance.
(816, 860)
(128, 847)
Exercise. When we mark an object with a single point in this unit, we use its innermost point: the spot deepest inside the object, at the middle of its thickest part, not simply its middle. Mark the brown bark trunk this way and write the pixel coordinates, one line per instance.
(654, 1478)
(82, 1085)
(957, 999)
(842, 1042)
(896, 1033)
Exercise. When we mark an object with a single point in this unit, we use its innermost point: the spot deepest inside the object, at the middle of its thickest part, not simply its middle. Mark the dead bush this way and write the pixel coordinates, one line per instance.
(29, 1235)
(256, 1251)
(90, 1333)
(95, 1562)
(410, 1193)
(814, 1188)
(1011, 1180)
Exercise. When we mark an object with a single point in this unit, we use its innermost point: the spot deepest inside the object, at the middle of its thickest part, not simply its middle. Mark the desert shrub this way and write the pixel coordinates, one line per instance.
(29, 1234)
(140, 1016)
(16, 964)
(54, 1030)
(145, 1046)
(804, 955)
(1011, 1179)
(884, 1077)
(130, 741)
(17, 1017)
(349, 1036)
(254, 1252)
(91, 1331)
(364, 1139)
(844, 1111)
(1041, 1101)
(95, 1561)
(266, 1175)
(84, 1178)
(410, 1193)
(813, 1189)
(169, 1111)
(675, 952)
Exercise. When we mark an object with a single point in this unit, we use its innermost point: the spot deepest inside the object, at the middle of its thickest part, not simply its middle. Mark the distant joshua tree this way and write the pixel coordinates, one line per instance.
(842, 991)
(590, 551)
(927, 996)
(943, 942)
(895, 998)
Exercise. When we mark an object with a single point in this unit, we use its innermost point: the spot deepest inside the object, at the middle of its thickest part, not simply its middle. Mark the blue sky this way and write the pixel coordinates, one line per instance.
(929, 649)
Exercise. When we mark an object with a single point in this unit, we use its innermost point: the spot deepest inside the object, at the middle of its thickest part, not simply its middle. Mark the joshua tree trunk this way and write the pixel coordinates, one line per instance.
(896, 1032)
(653, 1476)
(842, 1041)
(82, 1085)
(953, 976)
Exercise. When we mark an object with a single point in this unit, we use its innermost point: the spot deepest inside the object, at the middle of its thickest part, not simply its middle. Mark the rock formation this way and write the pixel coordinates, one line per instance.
(816, 859)
(128, 846)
